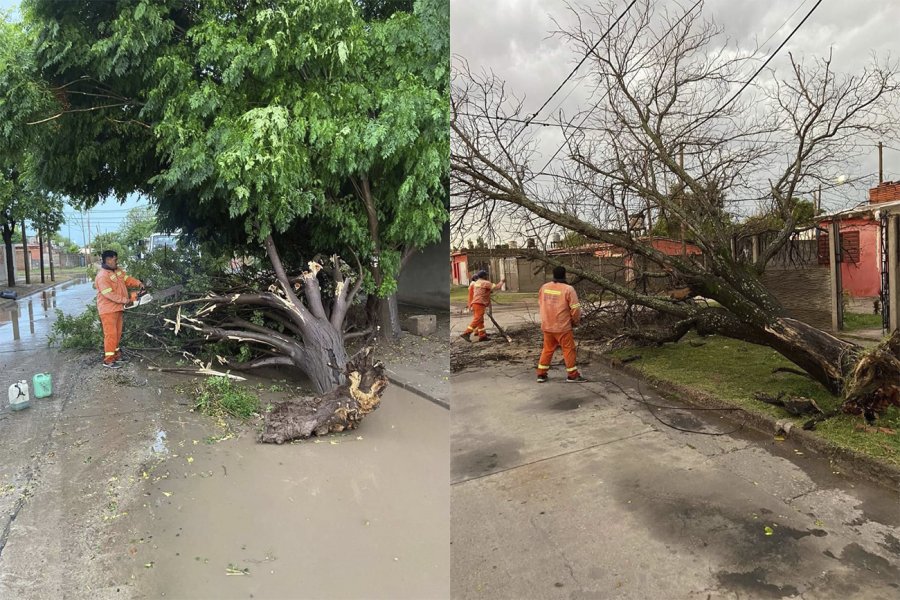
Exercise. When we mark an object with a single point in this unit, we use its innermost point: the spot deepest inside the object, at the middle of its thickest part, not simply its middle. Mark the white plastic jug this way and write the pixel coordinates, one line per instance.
(18, 396)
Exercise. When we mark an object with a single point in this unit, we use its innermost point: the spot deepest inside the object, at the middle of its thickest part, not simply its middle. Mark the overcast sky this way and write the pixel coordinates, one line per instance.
(511, 38)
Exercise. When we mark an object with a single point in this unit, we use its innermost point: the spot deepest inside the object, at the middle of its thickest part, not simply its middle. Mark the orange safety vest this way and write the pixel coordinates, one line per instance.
(559, 307)
(481, 292)
(112, 290)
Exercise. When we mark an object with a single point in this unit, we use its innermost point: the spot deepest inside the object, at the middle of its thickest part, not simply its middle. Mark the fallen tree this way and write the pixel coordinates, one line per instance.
(307, 334)
(667, 138)
(339, 410)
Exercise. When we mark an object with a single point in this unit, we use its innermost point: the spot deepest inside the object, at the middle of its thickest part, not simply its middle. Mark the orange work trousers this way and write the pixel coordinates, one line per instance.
(552, 341)
(477, 324)
(112, 335)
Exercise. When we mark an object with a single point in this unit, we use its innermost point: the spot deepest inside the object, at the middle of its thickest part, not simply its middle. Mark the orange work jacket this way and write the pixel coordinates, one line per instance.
(112, 290)
(481, 291)
(559, 307)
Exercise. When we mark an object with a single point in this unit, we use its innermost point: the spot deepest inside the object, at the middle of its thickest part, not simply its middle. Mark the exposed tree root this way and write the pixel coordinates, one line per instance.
(874, 383)
(340, 409)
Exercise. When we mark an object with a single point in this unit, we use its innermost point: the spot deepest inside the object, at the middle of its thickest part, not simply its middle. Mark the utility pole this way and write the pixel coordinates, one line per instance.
(89, 232)
(26, 256)
(880, 163)
(818, 201)
(681, 202)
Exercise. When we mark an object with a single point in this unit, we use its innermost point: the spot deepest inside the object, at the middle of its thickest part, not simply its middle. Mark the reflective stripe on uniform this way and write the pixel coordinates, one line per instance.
(543, 366)
(572, 369)
(106, 291)
(109, 354)
(112, 277)
(574, 306)
(553, 292)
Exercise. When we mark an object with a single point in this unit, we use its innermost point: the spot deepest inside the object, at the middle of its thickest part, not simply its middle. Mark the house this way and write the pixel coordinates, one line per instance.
(511, 263)
(526, 274)
(862, 241)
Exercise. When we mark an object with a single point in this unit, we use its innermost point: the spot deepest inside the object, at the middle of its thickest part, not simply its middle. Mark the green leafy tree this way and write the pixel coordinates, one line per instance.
(109, 240)
(140, 223)
(64, 244)
(288, 131)
(22, 96)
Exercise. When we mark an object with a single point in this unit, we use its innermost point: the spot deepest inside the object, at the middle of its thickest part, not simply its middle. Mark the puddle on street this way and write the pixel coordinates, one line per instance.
(291, 518)
(26, 325)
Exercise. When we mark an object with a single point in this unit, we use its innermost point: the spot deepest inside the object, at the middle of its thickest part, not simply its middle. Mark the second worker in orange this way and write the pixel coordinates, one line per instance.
(560, 311)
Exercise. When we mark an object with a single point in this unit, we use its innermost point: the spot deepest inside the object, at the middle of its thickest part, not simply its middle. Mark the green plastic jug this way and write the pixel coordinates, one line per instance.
(43, 385)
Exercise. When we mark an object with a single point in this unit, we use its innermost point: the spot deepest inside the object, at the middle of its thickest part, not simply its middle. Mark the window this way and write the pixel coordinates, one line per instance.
(849, 250)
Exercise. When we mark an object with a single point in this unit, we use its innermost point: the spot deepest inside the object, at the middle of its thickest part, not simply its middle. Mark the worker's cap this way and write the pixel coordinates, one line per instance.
(481, 274)
(108, 254)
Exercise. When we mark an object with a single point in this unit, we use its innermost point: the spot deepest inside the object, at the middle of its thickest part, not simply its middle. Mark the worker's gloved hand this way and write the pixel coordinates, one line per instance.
(129, 304)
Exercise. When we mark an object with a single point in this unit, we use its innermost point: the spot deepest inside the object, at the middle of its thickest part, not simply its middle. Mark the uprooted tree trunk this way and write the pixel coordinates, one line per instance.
(340, 409)
(667, 138)
(868, 380)
(307, 335)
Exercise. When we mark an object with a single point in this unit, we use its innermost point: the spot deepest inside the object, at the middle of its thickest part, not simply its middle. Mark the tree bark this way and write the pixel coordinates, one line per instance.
(376, 312)
(50, 256)
(10, 257)
(340, 409)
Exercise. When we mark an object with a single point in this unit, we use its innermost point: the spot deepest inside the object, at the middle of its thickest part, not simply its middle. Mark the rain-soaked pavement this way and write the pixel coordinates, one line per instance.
(26, 325)
(577, 491)
(113, 488)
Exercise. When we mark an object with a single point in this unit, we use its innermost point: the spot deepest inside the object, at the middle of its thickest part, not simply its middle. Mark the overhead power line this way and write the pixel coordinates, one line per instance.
(649, 50)
(734, 96)
(768, 60)
(578, 66)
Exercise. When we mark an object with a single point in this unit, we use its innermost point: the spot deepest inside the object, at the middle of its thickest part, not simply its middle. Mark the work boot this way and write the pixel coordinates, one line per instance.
(542, 378)
(112, 365)
(577, 378)
(122, 359)
(465, 336)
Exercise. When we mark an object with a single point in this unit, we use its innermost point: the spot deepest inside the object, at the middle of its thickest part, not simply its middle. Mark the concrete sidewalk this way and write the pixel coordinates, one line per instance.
(577, 491)
(420, 364)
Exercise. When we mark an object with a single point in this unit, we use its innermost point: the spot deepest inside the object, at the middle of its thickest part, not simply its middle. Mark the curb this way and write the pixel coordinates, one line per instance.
(409, 387)
(850, 460)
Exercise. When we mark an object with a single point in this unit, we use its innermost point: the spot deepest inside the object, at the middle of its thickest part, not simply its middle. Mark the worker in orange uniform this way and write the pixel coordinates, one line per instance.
(479, 300)
(560, 311)
(112, 285)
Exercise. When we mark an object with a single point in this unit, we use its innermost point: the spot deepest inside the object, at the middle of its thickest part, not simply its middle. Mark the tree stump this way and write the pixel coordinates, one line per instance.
(340, 409)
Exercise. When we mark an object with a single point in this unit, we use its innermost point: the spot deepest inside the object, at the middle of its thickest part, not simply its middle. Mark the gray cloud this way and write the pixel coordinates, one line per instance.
(510, 38)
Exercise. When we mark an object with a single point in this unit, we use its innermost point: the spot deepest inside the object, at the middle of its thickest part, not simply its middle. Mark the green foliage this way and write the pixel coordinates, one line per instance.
(573, 240)
(108, 241)
(167, 267)
(857, 321)
(79, 332)
(804, 211)
(250, 118)
(60, 242)
(220, 395)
